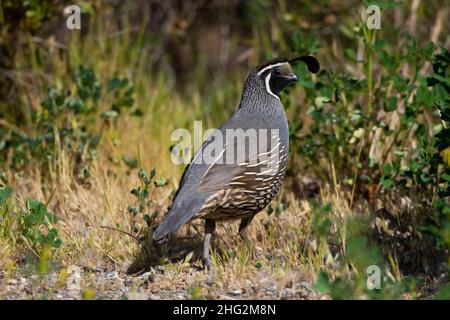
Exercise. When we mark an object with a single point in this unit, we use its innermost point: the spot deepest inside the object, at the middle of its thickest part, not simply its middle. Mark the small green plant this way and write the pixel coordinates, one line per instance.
(147, 186)
(196, 293)
(6, 214)
(34, 226)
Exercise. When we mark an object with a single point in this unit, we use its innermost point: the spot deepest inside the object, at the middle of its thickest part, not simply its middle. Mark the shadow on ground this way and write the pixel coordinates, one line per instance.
(177, 248)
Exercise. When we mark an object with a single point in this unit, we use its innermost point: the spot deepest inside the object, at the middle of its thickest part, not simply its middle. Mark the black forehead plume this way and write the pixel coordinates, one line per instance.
(311, 62)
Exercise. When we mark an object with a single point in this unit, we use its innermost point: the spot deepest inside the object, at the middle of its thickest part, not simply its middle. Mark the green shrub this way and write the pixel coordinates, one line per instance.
(33, 227)
(143, 195)
(382, 134)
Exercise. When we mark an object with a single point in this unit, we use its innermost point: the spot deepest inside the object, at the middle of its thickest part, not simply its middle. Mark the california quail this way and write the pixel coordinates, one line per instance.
(237, 185)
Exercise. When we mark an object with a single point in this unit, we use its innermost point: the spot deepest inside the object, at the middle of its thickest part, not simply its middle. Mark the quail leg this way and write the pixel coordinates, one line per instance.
(243, 228)
(245, 222)
(210, 226)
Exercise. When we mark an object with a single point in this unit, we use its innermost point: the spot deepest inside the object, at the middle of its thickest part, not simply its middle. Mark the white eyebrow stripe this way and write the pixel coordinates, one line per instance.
(268, 86)
(270, 67)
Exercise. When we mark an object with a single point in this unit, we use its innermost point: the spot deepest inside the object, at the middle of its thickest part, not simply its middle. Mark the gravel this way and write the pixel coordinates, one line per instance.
(151, 285)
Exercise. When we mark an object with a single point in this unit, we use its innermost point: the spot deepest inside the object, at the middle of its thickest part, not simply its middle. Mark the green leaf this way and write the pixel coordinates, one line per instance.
(5, 194)
(116, 83)
(391, 104)
(305, 44)
(388, 169)
(350, 54)
(425, 178)
(445, 176)
(440, 94)
(416, 166)
(387, 183)
(132, 163)
(36, 213)
(161, 182)
(110, 114)
(322, 283)
(57, 243)
(424, 96)
(320, 101)
(136, 191)
(444, 292)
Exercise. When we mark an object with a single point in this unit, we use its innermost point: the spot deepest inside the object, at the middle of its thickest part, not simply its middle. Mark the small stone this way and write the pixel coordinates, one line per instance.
(136, 296)
(236, 292)
(112, 275)
(73, 282)
(94, 269)
(51, 278)
(442, 277)
(22, 283)
(304, 284)
(129, 282)
(287, 293)
(272, 290)
(160, 269)
(148, 277)
(11, 282)
(74, 294)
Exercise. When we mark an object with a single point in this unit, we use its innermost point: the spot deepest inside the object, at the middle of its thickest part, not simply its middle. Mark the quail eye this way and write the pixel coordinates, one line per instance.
(277, 72)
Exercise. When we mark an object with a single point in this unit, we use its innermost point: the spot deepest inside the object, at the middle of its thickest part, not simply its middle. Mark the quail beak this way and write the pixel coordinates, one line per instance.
(292, 78)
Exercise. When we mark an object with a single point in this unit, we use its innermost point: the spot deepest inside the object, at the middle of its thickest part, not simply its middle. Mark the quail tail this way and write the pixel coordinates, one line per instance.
(178, 215)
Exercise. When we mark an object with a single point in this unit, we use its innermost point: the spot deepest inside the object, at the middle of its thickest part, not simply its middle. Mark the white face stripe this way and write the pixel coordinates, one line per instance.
(268, 86)
(270, 67)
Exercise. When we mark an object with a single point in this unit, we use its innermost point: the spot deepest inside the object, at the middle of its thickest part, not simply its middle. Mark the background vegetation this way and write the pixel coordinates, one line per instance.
(85, 123)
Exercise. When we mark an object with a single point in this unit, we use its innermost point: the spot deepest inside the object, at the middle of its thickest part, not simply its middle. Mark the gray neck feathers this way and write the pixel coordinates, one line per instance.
(255, 98)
